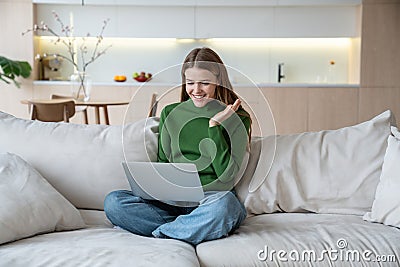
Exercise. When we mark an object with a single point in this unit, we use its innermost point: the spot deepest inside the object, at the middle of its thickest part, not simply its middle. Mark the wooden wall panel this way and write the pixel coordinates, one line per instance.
(270, 107)
(332, 108)
(290, 110)
(380, 57)
(380, 2)
(380, 45)
(376, 100)
(257, 104)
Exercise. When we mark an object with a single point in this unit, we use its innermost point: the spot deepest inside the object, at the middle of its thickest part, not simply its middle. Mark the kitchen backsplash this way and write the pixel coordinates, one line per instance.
(305, 60)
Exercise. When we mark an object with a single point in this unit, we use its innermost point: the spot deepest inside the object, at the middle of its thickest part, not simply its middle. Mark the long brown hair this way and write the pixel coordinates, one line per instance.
(206, 58)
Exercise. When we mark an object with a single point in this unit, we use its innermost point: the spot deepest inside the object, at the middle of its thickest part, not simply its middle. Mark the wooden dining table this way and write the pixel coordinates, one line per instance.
(96, 104)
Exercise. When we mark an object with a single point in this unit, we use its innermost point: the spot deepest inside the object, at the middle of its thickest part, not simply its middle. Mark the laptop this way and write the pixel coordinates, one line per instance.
(176, 182)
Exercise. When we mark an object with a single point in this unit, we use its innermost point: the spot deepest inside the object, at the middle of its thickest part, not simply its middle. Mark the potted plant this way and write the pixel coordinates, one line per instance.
(11, 69)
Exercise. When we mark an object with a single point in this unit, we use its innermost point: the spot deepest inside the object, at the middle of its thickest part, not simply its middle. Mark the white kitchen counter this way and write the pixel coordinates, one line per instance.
(157, 84)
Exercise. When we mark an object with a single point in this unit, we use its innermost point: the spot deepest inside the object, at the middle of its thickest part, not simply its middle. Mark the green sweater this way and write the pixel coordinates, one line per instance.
(185, 136)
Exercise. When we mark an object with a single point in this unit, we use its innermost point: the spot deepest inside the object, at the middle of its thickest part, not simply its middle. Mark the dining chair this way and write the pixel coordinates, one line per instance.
(52, 111)
(82, 109)
(153, 105)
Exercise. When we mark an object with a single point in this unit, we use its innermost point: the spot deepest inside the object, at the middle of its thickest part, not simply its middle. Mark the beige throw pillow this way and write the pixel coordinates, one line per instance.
(29, 204)
(386, 206)
(333, 171)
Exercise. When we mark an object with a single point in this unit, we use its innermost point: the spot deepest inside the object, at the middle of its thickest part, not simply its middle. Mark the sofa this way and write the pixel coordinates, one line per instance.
(328, 198)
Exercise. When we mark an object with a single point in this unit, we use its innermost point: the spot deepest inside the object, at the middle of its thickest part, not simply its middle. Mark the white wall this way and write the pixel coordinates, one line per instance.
(17, 47)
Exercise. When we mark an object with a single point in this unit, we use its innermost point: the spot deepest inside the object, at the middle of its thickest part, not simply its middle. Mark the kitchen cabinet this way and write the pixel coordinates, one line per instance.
(304, 109)
(159, 22)
(204, 2)
(234, 22)
(277, 22)
(121, 2)
(71, 2)
(208, 21)
(317, 21)
(289, 107)
(332, 108)
(143, 22)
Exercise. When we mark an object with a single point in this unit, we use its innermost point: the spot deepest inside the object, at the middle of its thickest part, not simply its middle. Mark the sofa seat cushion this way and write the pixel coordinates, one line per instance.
(302, 232)
(95, 218)
(96, 247)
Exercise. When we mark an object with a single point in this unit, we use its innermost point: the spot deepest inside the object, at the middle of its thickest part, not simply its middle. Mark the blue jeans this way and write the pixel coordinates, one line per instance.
(217, 215)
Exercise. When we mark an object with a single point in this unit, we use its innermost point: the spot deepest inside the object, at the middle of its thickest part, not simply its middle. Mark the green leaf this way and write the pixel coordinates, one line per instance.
(26, 69)
(11, 69)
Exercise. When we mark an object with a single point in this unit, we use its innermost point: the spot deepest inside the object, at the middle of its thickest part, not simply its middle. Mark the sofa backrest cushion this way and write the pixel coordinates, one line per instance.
(335, 171)
(83, 162)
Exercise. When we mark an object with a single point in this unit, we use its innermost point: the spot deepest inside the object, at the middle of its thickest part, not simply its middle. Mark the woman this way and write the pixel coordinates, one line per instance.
(209, 128)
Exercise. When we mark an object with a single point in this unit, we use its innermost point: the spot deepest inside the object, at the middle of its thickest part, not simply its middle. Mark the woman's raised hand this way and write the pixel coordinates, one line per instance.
(225, 114)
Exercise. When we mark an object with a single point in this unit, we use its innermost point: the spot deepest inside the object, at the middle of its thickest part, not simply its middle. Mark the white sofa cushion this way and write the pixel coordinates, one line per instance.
(304, 239)
(386, 206)
(83, 162)
(29, 204)
(97, 247)
(333, 171)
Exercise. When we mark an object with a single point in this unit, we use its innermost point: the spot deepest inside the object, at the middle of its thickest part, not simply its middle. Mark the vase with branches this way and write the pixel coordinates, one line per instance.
(87, 56)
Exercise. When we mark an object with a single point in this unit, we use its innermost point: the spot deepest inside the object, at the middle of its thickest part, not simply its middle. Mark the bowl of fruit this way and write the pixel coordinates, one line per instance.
(142, 76)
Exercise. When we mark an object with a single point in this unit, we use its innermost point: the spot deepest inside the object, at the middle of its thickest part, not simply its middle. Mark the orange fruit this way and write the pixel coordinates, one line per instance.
(120, 78)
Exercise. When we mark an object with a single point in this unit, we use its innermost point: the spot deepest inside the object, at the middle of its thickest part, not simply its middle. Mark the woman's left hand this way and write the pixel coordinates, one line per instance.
(225, 114)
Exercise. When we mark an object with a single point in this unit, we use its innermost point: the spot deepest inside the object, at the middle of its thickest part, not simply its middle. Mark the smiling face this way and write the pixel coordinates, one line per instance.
(200, 85)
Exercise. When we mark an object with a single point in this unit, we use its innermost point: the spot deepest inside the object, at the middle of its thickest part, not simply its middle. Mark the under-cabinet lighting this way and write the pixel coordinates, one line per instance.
(192, 40)
(282, 42)
(120, 41)
(109, 38)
